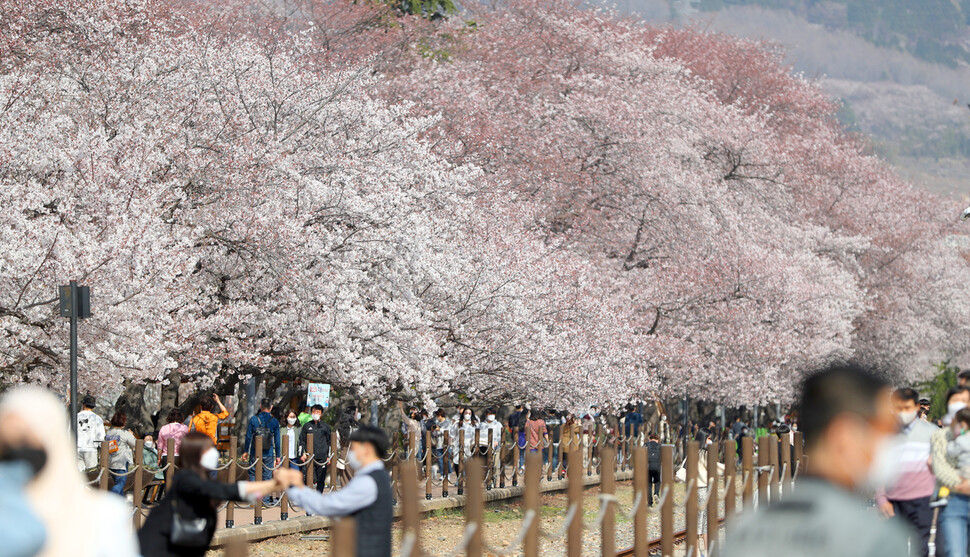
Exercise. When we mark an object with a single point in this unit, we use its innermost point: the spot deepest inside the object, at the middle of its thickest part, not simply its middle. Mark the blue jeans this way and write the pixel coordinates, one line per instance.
(955, 523)
(267, 463)
(439, 455)
(118, 482)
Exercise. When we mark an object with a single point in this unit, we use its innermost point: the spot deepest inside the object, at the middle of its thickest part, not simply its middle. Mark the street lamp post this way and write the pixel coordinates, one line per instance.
(75, 304)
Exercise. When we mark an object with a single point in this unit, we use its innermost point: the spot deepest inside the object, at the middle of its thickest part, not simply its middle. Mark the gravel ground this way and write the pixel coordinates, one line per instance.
(441, 531)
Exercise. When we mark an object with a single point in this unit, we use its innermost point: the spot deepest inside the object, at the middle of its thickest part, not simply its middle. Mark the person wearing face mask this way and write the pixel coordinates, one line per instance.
(348, 423)
(462, 445)
(183, 522)
(665, 438)
(367, 497)
(290, 432)
(953, 521)
(909, 496)
(846, 417)
(77, 521)
(21, 459)
(494, 426)
(321, 445)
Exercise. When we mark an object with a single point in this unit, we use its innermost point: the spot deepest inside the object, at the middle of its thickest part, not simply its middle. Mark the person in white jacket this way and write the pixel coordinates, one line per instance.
(493, 425)
(463, 422)
(90, 434)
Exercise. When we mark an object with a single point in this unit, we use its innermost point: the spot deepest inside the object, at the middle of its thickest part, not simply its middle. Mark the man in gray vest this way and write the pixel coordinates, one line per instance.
(367, 497)
(845, 415)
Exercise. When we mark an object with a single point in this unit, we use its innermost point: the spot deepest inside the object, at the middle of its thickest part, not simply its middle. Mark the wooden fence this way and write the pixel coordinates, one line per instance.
(600, 456)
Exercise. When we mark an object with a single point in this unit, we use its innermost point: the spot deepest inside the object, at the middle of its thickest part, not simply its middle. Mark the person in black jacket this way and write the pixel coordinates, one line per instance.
(347, 424)
(193, 496)
(321, 445)
(653, 468)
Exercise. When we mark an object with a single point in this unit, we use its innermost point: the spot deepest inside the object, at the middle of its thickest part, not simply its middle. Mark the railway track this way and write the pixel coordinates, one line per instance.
(654, 546)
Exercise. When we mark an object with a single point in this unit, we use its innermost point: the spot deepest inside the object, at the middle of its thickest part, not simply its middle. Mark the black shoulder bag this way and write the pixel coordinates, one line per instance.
(187, 532)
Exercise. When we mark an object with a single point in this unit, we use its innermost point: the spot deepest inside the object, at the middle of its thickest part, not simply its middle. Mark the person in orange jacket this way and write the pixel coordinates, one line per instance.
(207, 422)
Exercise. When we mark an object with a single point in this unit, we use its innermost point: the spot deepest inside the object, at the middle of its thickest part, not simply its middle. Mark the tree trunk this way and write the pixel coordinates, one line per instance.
(132, 403)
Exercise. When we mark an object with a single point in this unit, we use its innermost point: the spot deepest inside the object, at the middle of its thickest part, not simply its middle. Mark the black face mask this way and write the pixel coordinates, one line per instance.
(34, 457)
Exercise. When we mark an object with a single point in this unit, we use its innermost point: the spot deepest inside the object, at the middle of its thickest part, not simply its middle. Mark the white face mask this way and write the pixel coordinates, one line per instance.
(210, 459)
(951, 411)
(490, 417)
(357, 416)
(316, 417)
(663, 418)
(149, 445)
(884, 469)
(291, 421)
(468, 416)
(352, 461)
(906, 418)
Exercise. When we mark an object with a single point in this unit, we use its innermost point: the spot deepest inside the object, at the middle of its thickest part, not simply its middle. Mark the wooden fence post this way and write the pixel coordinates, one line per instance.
(785, 459)
(667, 508)
(533, 465)
(574, 536)
(311, 462)
(475, 505)
(800, 459)
(447, 461)
(608, 528)
(489, 457)
(410, 516)
(233, 448)
(713, 524)
(343, 538)
(285, 463)
(139, 481)
(693, 454)
(428, 463)
(461, 461)
(561, 469)
(503, 453)
(258, 504)
(764, 461)
(640, 486)
(731, 480)
(332, 458)
(747, 472)
(773, 459)
(548, 452)
(103, 462)
(590, 440)
(515, 456)
(412, 445)
(170, 457)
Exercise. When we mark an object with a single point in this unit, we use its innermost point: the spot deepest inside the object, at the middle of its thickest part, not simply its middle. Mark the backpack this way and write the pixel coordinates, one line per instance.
(264, 431)
(113, 443)
(653, 454)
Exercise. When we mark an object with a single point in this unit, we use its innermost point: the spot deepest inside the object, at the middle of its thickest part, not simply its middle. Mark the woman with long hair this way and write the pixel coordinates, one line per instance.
(182, 524)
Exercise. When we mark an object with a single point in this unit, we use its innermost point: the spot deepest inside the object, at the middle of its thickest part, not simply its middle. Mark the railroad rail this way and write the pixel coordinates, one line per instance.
(654, 545)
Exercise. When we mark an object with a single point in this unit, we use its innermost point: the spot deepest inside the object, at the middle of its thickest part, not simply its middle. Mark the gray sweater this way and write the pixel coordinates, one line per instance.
(124, 441)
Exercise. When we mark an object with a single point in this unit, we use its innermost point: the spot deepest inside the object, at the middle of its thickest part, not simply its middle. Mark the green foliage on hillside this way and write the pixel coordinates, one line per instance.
(929, 29)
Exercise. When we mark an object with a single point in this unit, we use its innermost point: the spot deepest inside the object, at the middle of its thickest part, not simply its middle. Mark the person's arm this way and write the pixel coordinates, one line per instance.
(223, 413)
(190, 484)
(129, 438)
(944, 472)
(250, 432)
(360, 492)
(301, 448)
(277, 441)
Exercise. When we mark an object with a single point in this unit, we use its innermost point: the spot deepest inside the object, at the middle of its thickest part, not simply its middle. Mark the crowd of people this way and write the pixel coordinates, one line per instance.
(865, 442)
